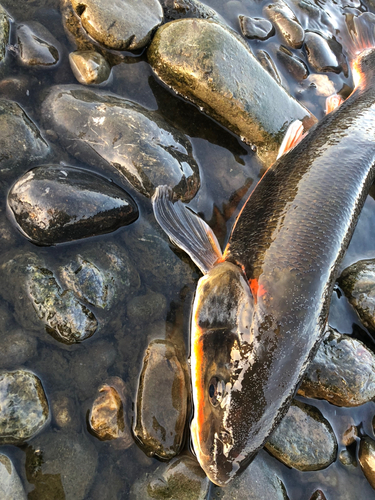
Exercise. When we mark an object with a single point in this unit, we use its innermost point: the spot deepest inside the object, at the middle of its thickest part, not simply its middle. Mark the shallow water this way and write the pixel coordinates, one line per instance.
(229, 172)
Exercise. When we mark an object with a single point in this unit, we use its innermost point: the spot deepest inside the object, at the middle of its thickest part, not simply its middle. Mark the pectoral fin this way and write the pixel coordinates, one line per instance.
(186, 229)
(293, 136)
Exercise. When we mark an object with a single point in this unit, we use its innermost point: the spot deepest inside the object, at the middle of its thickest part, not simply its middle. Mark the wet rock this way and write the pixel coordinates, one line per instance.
(4, 32)
(182, 479)
(117, 134)
(323, 85)
(20, 140)
(108, 417)
(147, 308)
(10, 484)
(17, 347)
(342, 372)
(89, 67)
(286, 24)
(60, 465)
(347, 459)
(37, 47)
(23, 406)
(318, 495)
(320, 55)
(208, 64)
(120, 25)
(358, 283)
(162, 401)
(260, 481)
(294, 65)
(63, 411)
(304, 439)
(256, 27)
(350, 435)
(178, 9)
(366, 457)
(54, 204)
(267, 63)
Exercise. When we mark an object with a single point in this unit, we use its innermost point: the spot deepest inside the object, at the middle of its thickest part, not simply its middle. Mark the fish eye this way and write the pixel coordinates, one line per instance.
(216, 391)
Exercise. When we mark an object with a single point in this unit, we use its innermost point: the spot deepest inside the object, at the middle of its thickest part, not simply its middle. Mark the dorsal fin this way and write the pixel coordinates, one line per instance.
(186, 229)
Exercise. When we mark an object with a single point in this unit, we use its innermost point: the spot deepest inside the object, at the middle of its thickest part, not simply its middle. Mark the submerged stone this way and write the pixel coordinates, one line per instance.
(112, 132)
(295, 66)
(10, 484)
(304, 439)
(17, 347)
(120, 24)
(320, 55)
(342, 372)
(54, 204)
(287, 25)
(145, 309)
(366, 457)
(318, 495)
(89, 67)
(162, 400)
(256, 27)
(37, 47)
(4, 32)
(210, 65)
(267, 63)
(23, 406)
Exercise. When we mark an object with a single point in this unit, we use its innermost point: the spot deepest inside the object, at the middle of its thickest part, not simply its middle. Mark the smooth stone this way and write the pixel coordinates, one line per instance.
(358, 283)
(17, 347)
(178, 9)
(342, 372)
(320, 55)
(181, 479)
(147, 308)
(318, 495)
(60, 465)
(89, 67)
(117, 134)
(121, 24)
(55, 204)
(108, 417)
(23, 406)
(256, 27)
(304, 439)
(37, 47)
(286, 24)
(11, 487)
(63, 410)
(210, 65)
(350, 435)
(366, 458)
(267, 63)
(259, 481)
(295, 66)
(162, 402)
(347, 459)
(20, 140)
(4, 32)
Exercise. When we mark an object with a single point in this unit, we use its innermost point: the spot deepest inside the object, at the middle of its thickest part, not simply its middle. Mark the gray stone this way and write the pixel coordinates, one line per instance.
(366, 457)
(23, 406)
(295, 66)
(4, 32)
(162, 400)
(17, 347)
(10, 484)
(117, 134)
(147, 308)
(37, 47)
(267, 63)
(178, 9)
(342, 372)
(287, 25)
(320, 55)
(182, 479)
(121, 24)
(304, 439)
(212, 66)
(256, 27)
(89, 67)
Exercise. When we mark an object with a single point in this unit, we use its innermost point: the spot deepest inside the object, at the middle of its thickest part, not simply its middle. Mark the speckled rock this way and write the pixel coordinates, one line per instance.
(36, 45)
(259, 481)
(287, 25)
(134, 141)
(54, 204)
(89, 67)
(210, 65)
(304, 439)
(10, 484)
(162, 402)
(256, 27)
(4, 32)
(267, 63)
(182, 479)
(358, 284)
(147, 308)
(366, 457)
(342, 372)
(320, 55)
(17, 347)
(20, 140)
(122, 24)
(178, 9)
(23, 406)
(295, 66)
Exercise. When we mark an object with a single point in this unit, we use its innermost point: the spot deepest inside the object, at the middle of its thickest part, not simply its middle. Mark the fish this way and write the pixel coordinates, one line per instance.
(261, 307)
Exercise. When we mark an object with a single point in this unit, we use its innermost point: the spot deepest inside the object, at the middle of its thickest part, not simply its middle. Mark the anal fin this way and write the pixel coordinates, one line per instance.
(333, 102)
(292, 137)
(186, 229)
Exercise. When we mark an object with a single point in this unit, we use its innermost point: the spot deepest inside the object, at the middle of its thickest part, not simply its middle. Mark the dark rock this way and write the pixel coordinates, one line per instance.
(89, 67)
(54, 204)
(366, 457)
(266, 61)
(37, 47)
(23, 406)
(350, 435)
(182, 479)
(320, 55)
(20, 140)
(219, 74)
(64, 413)
(107, 130)
(342, 372)
(287, 26)
(17, 347)
(295, 66)
(4, 32)
(147, 308)
(256, 27)
(10, 484)
(304, 439)
(318, 495)
(162, 400)
(347, 459)
(178, 9)
(120, 25)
